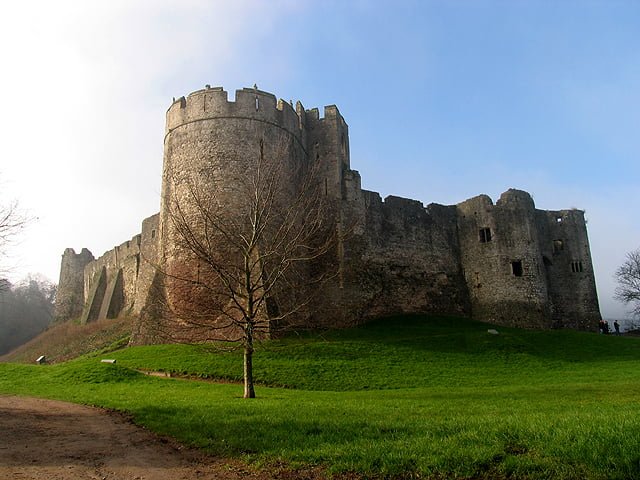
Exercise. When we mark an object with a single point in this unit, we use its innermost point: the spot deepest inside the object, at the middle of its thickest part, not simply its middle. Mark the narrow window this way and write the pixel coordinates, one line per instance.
(485, 235)
(257, 103)
(576, 267)
(153, 234)
(516, 268)
(558, 246)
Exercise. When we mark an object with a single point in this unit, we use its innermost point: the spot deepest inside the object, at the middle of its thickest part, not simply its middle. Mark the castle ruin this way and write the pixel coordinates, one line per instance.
(506, 263)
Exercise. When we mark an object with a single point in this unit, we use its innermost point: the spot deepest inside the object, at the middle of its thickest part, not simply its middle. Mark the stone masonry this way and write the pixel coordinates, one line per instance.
(506, 262)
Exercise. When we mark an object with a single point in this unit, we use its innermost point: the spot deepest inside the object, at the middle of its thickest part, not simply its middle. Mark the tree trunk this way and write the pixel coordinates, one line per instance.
(249, 392)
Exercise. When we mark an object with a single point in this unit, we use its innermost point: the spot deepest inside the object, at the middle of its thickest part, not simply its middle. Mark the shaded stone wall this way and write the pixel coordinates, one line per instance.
(148, 261)
(404, 258)
(567, 259)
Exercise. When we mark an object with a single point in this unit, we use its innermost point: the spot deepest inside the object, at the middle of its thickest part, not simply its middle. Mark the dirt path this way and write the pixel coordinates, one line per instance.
(46, 439)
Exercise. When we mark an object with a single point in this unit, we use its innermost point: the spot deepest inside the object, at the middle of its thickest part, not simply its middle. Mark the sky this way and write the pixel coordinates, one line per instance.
(445, 100)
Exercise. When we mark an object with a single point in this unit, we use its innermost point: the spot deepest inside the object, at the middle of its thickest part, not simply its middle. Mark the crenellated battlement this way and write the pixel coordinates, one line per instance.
(251, 104)
(330, 113)
(213, 103)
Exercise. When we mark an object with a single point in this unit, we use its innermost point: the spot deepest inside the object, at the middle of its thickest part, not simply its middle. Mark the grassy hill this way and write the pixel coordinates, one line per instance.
(64, 341)
(416, 396)
(404, 352)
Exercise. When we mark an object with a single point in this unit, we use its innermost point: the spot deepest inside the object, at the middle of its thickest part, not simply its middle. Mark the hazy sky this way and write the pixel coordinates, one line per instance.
(445, 100)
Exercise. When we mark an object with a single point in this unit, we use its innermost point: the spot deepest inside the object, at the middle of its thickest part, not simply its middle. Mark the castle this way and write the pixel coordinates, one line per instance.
(506, 262)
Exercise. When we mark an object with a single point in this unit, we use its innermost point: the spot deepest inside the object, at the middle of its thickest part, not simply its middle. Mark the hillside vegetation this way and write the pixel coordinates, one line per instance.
(420, 397)
(26, 309)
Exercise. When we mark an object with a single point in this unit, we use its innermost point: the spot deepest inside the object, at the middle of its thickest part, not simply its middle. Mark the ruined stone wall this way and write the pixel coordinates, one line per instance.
(569, 270)
(115, 283)
(500, 254)
(403, 259)
(70, 293)
(110, 281)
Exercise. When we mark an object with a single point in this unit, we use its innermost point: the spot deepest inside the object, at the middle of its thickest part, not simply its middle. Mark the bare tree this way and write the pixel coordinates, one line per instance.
(628, 278)
(253, 247)
(12, 222)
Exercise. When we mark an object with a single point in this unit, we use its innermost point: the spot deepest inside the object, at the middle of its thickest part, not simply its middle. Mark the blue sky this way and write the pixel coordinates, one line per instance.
(445, 100)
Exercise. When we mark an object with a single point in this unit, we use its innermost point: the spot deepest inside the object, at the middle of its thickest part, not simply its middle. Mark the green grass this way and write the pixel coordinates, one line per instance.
(406, 352)
(427, 396)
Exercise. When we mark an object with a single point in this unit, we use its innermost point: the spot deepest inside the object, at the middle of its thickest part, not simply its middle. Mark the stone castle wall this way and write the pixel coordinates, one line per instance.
(115, 283)
(404, 259)
(507, 263)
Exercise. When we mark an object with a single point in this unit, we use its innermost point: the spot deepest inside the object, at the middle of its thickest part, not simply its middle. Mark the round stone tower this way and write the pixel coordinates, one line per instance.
(210, 145)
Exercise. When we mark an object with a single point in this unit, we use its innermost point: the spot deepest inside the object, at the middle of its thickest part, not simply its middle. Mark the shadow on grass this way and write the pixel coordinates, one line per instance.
(462, 335)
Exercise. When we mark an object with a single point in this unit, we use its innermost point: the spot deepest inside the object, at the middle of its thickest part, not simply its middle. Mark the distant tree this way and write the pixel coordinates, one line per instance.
(26, 309)
(628, 278)
(258, 248)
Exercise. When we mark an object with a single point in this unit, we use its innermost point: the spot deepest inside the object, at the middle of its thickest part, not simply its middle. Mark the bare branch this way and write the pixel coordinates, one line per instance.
(628, 278)
(12, 222)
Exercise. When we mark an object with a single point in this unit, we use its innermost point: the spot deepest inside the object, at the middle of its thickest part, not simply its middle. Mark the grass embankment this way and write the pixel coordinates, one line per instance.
(64, 341)
(424, 396)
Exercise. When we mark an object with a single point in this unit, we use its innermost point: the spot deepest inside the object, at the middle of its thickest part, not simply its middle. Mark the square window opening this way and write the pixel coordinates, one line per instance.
(516, 268)
(485, 235)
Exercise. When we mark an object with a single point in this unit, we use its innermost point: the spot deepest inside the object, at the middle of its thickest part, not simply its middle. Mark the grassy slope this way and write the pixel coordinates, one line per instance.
(432, 396)
(407, 352)
(64, 341)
